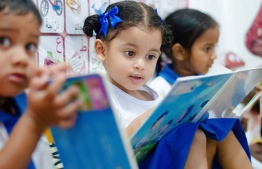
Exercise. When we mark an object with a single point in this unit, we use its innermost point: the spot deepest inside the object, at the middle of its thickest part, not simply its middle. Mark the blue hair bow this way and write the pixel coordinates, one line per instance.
(113, 20)
(159, 16)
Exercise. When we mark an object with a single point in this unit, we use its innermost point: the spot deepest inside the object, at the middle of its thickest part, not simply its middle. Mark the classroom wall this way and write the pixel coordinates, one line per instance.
(62, 39)
(235, 18)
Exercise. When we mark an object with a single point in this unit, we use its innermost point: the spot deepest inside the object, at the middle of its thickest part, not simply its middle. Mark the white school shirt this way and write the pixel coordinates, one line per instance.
(128, 107)
(42, 157)
(160, 85)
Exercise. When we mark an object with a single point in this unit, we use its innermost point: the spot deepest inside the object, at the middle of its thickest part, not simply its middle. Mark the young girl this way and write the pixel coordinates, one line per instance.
(193, 53)
(129, 39)
(24, 118)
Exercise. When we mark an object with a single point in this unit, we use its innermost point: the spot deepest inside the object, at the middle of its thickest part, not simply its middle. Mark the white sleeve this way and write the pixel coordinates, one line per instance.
(160, 85)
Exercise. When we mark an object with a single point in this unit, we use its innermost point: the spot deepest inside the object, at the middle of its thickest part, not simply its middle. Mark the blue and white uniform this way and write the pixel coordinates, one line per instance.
(173, 149)
(41, 158)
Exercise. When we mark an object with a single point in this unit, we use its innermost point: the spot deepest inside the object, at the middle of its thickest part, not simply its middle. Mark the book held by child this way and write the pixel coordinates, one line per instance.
(194, 99)
(96, 140)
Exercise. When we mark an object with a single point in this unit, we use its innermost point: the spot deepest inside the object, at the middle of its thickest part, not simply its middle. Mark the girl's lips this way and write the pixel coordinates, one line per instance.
(17, 78)
(136, 79)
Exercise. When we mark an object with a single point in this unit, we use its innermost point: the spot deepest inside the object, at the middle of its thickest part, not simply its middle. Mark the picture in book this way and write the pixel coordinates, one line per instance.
(95, 141)
(194, 98)
(227, 102)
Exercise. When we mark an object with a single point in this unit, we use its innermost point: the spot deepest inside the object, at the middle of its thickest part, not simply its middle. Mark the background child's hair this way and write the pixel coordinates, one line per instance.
(20, 7)
(133, 14)
(187, 25)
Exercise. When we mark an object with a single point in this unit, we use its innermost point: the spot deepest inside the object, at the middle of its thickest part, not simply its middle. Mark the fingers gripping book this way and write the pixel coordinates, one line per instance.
(96, 140)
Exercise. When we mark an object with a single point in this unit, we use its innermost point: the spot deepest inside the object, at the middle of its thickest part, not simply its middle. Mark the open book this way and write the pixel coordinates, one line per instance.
(195, 98)
(96, 140)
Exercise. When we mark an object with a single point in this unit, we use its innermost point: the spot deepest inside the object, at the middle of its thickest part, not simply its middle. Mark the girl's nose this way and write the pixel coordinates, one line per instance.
(214, 56)
(139, 64)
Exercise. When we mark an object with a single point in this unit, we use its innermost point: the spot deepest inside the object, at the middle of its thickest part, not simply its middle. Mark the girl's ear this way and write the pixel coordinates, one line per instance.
(100, 49)
(179, 53)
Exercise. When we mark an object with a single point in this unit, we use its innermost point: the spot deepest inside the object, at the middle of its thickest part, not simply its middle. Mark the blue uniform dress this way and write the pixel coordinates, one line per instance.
(9, 121)
(172, 150)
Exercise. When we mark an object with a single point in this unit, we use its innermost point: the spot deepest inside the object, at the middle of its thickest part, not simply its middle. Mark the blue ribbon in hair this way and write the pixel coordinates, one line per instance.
(159, 16)
(103, 19)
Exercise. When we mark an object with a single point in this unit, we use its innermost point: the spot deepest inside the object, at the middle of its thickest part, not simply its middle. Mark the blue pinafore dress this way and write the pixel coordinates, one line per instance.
(172, 150)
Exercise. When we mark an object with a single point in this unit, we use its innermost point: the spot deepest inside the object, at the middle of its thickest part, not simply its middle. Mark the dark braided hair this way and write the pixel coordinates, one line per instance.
(133, 14)
(186, 25)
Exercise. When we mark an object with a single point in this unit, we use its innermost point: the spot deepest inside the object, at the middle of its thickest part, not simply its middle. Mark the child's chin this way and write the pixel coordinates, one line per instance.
(13, 92)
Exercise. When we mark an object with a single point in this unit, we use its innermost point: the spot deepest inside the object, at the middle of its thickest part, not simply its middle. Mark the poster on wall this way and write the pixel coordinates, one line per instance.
(52, 13)
(51, 50)
(98, 6)
(62, 38)
(75, 12)
(76, 55)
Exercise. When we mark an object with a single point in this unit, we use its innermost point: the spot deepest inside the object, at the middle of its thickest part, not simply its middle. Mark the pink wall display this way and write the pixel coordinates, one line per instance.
(62, 38)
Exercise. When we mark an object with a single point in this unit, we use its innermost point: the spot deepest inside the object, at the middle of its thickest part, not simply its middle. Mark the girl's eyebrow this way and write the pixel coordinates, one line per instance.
(133, 45)
(130, 44)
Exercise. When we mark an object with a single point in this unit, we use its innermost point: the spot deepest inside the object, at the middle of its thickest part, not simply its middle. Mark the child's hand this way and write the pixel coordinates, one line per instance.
(137, 122)
(45, 106)
(244, 123)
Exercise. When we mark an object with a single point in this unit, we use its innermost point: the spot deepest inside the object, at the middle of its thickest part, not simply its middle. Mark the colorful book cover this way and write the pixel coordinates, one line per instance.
(96, 140)
(190, 99)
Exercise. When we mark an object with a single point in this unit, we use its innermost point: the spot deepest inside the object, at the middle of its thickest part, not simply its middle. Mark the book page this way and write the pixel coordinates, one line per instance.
(96, 140)
(232, 93)
(186, 98)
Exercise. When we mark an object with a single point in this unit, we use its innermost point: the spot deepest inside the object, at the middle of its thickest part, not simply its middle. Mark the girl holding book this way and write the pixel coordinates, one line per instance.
(195, 35)
(130, 37)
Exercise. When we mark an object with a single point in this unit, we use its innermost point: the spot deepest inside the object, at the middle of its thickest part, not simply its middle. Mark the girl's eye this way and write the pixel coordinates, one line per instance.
(5, 42)
(130, 53)
(31, 47)
(207, 49)
(151, 57)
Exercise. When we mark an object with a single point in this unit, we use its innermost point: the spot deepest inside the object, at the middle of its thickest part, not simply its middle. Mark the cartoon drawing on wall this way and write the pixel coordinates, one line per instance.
(76, 53)
(77, 63)
(232, 61)
(53, 19)
(254, 35)
(56, 5)
(50, 59)
(98, 7)
(74, 5)
(75, 16)
(95, 64)
(50, 50)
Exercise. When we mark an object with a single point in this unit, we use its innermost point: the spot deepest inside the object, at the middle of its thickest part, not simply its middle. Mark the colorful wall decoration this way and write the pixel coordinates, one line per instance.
(62, 38)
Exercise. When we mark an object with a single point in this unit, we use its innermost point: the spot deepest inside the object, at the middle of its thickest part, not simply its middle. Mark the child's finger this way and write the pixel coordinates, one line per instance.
(69, 110)
(59, 68)
(67, 96)
(53, 88)
(38, 83)
(67, 122)
(68, 114)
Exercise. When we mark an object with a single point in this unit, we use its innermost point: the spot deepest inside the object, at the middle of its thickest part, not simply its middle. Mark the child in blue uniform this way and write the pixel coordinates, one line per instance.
(23, 118)
(192, 53)
(130, 37)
